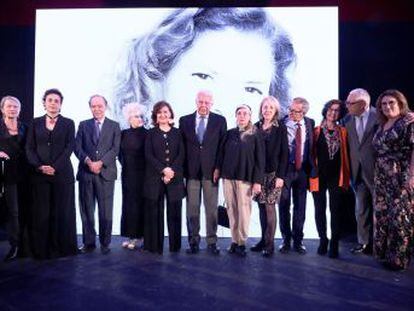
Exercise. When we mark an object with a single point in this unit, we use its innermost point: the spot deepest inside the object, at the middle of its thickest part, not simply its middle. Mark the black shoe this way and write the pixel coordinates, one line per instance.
(368, 250)
(232, 248)
(213, 249)
(257, 247)
(267, 252)
(193, 249)
(12, 254)
(284, 248)
(105, 250)
(86, 249)
(360, 248)
(300, 248)
(333, 249)
(241, 250)
(323, 246)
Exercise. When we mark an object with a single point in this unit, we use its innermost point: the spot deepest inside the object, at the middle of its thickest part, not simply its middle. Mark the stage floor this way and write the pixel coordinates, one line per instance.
(136, 280)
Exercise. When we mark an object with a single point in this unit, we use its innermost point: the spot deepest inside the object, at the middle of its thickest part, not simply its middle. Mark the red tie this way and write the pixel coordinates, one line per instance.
(298, 147)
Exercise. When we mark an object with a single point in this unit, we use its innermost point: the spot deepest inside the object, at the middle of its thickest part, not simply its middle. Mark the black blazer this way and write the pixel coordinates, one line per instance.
(15, 169)
(44, 147)
(202, 159)
(164, 149)
(242, 158)
(106, 149)
(276, 149)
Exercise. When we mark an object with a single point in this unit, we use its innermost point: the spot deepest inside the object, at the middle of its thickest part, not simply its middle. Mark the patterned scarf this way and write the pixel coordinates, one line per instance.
(332, 140)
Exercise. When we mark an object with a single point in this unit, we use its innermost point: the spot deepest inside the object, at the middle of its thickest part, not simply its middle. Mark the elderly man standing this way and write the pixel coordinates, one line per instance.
(361, 126)
(97, 145)
(203, 132)
(300, 168)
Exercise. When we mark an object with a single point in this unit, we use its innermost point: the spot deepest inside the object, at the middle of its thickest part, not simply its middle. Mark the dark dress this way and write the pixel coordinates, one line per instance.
(393, 198)
(53, 205)
(132, 158)
(12, 177)
(163, 149)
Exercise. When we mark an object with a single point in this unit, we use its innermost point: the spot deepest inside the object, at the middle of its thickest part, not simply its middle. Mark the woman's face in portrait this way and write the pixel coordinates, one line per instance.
(236, 67)
(268, 110)
(52, 103)
(243, 116)
(332, 114)
(390, 107)
(163, 116)
(11, 109)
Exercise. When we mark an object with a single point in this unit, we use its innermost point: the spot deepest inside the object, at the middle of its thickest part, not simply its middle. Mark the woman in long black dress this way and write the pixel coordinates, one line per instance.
(132, 158)
(12, 139)
(50, 142)
(331, 158)
(164, 155)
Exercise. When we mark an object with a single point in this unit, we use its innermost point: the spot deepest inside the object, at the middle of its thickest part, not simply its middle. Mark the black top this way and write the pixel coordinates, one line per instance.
(15, 169)
(202, 159)
(276, 148)
(164, 149)
(328, 169)
(242, 158)
(132, 151)
(54, 148)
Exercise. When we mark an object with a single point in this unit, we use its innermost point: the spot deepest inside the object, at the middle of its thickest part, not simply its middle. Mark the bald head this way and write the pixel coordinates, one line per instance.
(204, 101)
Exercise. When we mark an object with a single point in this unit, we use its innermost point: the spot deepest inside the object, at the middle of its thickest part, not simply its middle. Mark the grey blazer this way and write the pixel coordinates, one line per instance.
(362, 154)
(105, 149)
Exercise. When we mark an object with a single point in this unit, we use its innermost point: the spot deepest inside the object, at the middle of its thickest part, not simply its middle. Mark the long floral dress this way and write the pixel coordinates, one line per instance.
(393, 198)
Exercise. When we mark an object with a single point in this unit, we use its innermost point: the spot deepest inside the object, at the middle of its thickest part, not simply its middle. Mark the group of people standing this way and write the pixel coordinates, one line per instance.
(273, 162)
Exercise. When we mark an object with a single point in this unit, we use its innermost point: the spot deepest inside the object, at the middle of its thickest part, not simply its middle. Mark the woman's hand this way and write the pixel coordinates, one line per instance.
(4, 155)
(279, 183)
(47, 170)
(256, 188)
(168, 172)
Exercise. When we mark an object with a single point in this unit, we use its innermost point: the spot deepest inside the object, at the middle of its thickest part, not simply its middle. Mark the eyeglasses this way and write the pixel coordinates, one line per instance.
(296, 111)
(390, 103)
(333, 110)
(357, 102)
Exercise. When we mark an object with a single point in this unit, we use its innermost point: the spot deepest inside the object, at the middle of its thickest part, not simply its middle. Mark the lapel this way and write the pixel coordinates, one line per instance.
(104, 132)
(370, 123)
(352, 129)
(210, 127)
(91, 130)
(191, 127)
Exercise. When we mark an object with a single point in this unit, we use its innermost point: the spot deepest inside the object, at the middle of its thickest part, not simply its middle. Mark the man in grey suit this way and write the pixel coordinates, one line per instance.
(361, 125)
(97, 145)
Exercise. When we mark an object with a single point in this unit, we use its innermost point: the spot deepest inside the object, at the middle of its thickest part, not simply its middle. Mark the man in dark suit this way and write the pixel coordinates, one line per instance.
(203, 132)
(361, 125)
(97, 145)
(300, 168)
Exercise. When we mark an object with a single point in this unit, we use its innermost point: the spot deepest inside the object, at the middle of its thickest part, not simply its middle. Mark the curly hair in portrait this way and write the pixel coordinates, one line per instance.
(402, 103)
(151, 57)
(342, 108)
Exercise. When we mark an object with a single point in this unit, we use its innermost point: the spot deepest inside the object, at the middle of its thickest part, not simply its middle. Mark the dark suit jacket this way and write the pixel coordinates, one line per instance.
(362, 154)
(202, 159)
(106, 149)
(164, 150)
(44, 147)
(276, 149)
(308, 165)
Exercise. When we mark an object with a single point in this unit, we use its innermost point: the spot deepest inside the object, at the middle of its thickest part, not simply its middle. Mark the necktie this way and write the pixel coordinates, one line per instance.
(97, 131)
(298, 147)
(360, 128)
(201, 129)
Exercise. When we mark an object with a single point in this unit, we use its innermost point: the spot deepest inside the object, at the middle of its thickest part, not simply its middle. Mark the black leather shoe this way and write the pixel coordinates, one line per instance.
(284, 248)
(193, 249)
(360, 248)
(323, 246)
(12, 254)
(105, 250)
(86, 249)
(232, 248)
(333, 249)
(241, 250)
(267, 252)
(213, 249)
(258, 247)
(300, 248)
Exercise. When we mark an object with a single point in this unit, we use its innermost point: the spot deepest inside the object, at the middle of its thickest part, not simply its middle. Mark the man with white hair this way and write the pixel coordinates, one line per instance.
(361, 126)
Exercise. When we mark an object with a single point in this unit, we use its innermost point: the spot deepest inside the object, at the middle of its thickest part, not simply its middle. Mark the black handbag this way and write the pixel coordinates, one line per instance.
(222, 217)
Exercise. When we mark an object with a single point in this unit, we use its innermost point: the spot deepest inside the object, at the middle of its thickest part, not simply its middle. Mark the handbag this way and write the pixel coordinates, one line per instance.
(222, 216)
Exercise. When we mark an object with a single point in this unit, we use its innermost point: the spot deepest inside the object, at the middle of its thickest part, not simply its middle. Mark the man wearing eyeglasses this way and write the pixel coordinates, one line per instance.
(361, 126)
(300, 168)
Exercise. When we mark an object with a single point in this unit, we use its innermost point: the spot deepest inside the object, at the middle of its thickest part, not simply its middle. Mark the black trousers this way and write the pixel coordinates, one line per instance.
(102, 191)
(154, 225)
(335, 197)
(267, 214)
(295, 187)
(12, 224)
(54, 220)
